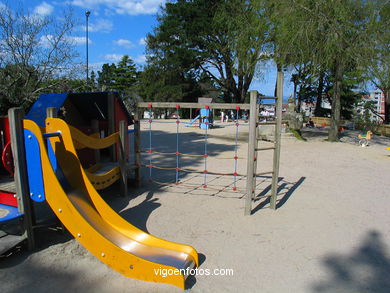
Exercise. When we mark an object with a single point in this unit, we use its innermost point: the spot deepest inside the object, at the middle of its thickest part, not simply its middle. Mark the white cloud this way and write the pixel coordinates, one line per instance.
(97, 66)
(101, 25)
(113, 57)
(43, 9)
(79, 40)
(47, 40)
(124, 43)
(141, 59)
(131, 7)
(142, 41)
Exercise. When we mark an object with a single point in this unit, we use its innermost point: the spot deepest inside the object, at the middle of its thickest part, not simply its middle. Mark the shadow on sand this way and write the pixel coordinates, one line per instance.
(365, 269)
(285, 190)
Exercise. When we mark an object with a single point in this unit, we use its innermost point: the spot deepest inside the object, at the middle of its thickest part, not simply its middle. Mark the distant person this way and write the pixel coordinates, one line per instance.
(222, 116)
(310, 123)
(264, 115)
(232, 115)
(245, 116)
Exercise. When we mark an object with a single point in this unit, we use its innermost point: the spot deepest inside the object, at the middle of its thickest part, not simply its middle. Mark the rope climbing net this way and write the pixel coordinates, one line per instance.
(151, 165)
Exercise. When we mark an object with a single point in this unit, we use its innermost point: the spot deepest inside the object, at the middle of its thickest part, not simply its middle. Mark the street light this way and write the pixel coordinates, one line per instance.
(87, 13)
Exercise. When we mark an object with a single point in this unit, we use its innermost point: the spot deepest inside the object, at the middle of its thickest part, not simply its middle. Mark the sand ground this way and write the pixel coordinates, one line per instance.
(330, 233)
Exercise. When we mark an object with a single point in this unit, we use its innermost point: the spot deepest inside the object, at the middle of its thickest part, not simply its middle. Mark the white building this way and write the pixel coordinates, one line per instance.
(378, 98)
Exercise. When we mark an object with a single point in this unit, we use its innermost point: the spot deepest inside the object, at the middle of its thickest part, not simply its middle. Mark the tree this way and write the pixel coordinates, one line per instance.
(331, 34)
(125, 75)
(379, 65)
(121, 77)
(106, 76)
(35, 53)
(92, 81)
(224, 39)
(162, 82)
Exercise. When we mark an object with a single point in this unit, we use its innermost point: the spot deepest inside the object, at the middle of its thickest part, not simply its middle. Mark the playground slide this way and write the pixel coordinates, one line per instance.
(192, 121)
(96, 226)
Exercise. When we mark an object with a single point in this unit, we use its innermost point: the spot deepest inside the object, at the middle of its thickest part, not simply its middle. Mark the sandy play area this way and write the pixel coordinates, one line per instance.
(330, 233)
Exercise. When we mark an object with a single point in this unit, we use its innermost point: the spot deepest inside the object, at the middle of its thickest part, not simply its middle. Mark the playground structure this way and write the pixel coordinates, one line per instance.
(61, 181)
(364, 139)
(254, 140)
(58, 161)
(205, 116)
(96, 114)
(48, 168)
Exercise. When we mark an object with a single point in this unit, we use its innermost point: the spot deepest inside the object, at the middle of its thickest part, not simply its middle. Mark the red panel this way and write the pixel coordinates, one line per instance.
(7, 159)
(8, 198)
(5, 145)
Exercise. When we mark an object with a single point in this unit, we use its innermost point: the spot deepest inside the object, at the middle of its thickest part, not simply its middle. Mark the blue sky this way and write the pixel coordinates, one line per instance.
(118, 27)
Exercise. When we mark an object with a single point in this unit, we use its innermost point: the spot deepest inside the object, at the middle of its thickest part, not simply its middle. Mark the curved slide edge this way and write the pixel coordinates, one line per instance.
(84, 221)
(103, 180)
(75, 174)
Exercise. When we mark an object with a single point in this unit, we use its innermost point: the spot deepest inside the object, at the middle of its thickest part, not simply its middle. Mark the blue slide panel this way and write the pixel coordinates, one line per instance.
(34, 167)
(192, 121)
(37, 112)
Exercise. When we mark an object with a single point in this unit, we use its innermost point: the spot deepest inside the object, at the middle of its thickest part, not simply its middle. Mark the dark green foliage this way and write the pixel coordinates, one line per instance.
(120, 77)
(333, 35)
(221, 38)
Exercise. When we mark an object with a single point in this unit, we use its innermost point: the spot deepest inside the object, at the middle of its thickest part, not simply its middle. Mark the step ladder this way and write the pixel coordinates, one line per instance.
(254, 148)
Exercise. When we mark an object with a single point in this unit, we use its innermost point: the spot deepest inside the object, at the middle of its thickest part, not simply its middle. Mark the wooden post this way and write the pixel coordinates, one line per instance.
(95, 129)
(251, 152)
(137, 146)
(123, 156)
(25, 205)
(256, 145)
(278, 126)
(111, 122)
(51, 112)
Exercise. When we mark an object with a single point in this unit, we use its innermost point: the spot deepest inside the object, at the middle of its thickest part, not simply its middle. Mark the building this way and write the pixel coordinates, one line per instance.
(378, 98)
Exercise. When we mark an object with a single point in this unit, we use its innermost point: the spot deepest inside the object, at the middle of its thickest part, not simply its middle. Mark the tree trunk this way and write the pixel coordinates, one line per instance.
(295, 93)
(333, 134)
(279, 69)
(387, 105)
(320, 89)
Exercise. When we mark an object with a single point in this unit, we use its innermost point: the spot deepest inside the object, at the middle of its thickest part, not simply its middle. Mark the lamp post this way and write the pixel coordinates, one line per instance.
(87, 13)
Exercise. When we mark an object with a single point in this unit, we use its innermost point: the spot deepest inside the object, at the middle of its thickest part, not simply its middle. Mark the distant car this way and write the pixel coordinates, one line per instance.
(174, 115)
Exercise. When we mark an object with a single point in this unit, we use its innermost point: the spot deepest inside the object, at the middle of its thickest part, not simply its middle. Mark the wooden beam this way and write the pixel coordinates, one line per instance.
(25, 206)
(276, 159)
(137, 146)
(251, 152)
(51, 112)
(111, 122)
(123, 156)
(193, 105)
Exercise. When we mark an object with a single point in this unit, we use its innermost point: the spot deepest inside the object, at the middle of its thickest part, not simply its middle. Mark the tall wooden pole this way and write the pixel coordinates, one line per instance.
(25, 206)
(251, 152)
(137, 145)
(111, 123)
(123, 156)
(278, 126)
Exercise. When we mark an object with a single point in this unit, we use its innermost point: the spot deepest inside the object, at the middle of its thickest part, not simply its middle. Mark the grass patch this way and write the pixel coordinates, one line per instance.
(298, 134)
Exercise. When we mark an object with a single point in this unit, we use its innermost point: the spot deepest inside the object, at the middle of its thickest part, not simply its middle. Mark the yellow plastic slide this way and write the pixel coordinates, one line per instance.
(100, 229)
